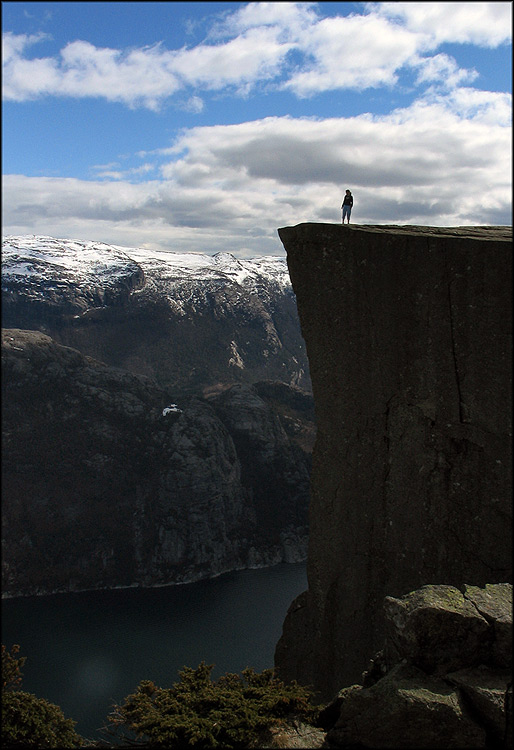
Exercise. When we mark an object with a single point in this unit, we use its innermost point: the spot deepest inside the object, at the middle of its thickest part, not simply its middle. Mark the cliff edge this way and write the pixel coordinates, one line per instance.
(408, 335)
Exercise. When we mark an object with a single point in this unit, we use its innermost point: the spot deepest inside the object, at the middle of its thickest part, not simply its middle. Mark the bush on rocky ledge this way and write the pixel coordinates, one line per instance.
(199, 713)
(28, 721)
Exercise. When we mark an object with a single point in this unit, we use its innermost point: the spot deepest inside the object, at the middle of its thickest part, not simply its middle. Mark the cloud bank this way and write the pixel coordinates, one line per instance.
(443, 160)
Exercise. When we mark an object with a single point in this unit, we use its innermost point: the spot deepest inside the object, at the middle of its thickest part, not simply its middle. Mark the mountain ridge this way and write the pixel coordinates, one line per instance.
(187, 319)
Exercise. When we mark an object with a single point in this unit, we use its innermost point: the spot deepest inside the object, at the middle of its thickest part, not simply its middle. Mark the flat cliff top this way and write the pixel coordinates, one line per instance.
(497, 233)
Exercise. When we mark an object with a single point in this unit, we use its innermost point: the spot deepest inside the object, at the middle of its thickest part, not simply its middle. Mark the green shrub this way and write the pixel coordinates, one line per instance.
(11, 668)
(199, 713)
(33, 722)
(28, 721)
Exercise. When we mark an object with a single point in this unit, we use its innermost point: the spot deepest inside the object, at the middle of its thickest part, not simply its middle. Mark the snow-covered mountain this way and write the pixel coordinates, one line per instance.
(185, 318)
(43, 263)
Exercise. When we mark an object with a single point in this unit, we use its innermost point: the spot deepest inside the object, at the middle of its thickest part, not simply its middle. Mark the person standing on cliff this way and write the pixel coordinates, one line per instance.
(347, 205)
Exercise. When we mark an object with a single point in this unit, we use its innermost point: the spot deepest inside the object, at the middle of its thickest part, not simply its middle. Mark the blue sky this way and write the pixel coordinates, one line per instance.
(206, 126)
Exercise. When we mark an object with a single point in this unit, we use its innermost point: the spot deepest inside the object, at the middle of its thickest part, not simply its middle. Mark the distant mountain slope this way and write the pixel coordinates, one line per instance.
(108, 481)
(189, 320)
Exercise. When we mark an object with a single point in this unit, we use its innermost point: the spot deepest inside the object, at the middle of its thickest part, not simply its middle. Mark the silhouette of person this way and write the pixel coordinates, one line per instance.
(347, 205)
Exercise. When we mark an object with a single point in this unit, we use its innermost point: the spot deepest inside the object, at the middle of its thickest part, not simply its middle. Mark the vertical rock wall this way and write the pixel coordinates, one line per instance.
(408, 334)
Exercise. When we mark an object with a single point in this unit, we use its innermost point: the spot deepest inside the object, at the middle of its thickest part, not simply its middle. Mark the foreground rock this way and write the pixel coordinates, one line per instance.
(443, 679)
(107, 481)
(408, 334)
(293, 735)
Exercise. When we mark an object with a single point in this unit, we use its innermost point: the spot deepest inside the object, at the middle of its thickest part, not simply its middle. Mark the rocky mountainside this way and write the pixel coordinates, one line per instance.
(190, 321)
(157, 419)
(110, 480)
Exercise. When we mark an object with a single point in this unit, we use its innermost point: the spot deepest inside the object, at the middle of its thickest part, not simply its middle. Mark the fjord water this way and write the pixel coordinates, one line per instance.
(86, 651)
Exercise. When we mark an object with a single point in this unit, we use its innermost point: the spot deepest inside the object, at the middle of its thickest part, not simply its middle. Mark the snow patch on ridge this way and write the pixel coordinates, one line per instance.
(33, 259)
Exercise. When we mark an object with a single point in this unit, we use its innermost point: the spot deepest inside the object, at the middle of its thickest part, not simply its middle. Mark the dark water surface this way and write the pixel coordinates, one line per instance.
(86, 651)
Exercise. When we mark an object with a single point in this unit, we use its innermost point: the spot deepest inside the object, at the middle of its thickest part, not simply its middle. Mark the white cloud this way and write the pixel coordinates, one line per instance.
(141, 77)
(444, 70)
(438, 162)
(193, 104)
(109, 171)
(14, 45)
(275, 44)
(411, 146)
(487, 24)
(291, 18)
(253, 55)
(21, 78)
(140, 73)
(487, 107)
(136, 77)
(353, 52)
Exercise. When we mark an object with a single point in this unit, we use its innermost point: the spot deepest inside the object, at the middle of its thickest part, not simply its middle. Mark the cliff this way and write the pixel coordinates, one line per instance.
(408, 336)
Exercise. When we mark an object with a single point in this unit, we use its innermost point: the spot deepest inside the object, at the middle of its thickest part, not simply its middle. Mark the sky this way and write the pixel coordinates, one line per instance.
(206, 126)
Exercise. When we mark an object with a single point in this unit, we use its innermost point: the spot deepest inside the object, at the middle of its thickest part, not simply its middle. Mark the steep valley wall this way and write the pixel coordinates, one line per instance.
(107, 483)
(408, 335)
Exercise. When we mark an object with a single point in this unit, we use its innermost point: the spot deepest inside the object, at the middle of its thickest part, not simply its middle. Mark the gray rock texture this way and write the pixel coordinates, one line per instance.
(408, 335)
(441, 683)
(406, 709)
(107, 481)
(292, 735)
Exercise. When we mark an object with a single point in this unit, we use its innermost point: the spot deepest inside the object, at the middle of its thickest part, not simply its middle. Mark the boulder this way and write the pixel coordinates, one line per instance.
(486, 692)
(296, 734)
(406, 709)
(494, 602)
(435, 628)
(436, 683)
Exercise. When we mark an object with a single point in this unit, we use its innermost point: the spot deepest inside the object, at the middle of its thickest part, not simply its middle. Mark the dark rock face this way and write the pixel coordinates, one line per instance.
(108, 482)
(442, 682)
(408, 334)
